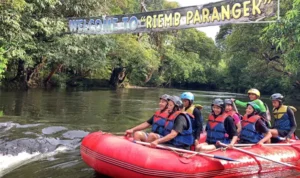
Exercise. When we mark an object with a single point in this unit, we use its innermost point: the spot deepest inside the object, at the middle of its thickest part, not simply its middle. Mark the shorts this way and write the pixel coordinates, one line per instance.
(217, 146)
(147, 134)
(245, 142)
(282, 133)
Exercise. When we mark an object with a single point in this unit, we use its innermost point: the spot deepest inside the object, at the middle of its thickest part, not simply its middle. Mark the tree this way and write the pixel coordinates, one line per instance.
(285, 37)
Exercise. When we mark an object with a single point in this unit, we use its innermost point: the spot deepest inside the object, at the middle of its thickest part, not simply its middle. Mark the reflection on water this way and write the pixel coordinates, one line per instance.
(41, 131)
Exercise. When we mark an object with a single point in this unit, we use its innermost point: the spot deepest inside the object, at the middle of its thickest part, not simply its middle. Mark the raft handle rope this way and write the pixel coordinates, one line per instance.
(187, 151)
(182, 154)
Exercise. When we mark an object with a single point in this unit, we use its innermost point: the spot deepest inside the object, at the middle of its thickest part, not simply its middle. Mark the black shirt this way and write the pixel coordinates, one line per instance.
(150, 121)
(180, 124)
(199, 123)
(261, 127)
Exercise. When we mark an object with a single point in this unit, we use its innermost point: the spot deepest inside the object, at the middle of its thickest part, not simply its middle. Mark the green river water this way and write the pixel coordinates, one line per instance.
(41, 130)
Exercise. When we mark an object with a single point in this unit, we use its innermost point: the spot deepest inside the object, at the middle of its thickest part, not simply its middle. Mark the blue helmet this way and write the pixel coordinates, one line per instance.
(188, 96)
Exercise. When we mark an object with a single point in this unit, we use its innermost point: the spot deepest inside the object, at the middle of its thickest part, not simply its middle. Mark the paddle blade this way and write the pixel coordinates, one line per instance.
(224, 158)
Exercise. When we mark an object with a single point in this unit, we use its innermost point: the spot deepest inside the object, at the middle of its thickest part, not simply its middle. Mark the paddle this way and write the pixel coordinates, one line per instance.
(268, 115)
(254, 154)
(186, 151)
(234, 107)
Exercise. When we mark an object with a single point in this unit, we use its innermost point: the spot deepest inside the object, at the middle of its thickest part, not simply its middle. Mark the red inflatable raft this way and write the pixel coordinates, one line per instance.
(118, 157)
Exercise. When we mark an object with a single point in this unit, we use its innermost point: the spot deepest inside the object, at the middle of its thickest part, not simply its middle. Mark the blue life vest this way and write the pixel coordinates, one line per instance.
(249, 133)
(185, 138)
(159, 121)
(282, 120)
(216, 130)
(190, 111)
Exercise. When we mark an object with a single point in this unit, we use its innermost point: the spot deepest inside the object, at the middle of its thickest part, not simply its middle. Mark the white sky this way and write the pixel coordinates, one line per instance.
(210, 31)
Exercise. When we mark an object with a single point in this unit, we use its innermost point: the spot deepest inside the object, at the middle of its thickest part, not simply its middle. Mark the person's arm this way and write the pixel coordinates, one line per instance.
(180, 124)
(237, 122)
(240, 103)
(231, 130)
(142, 126)
(293, 122)
(261, 127)
(199, 123)
(261, 105)
(164, 139)
(239, 128)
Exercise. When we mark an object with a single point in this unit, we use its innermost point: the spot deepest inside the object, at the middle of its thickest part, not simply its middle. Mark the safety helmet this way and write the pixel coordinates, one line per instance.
(176, 100)
(218, 102)
(187, 95)
(277, 96)
(228, 101)
(254, 106)
(165, 97)
(254, 91)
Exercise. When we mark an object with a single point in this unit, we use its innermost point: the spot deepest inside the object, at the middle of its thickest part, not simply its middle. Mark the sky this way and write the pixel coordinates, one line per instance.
(210, 31)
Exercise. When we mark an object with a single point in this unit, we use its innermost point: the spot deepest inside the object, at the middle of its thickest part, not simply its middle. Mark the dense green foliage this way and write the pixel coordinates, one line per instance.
(36, 51)
(265, 56)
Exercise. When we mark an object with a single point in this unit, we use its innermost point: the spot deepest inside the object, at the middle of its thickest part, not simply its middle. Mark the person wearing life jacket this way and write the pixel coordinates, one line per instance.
(197, 121)
(220, 127)
(231, 112)
(157, 121)
(285, 123)
(254, 129)
(178, 130)
(254, 95)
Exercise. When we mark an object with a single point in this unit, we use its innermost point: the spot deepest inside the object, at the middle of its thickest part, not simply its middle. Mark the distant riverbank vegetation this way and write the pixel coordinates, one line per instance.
(36, 51)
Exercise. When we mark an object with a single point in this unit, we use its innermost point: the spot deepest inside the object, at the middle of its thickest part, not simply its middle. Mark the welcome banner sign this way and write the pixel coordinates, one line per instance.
(219, 13)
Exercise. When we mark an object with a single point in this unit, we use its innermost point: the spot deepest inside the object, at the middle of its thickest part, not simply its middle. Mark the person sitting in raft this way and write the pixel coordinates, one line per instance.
(178, 128)
(285, 123)
(197, 121)
(220, 127)
(231, 112)
(254, 96)
(254, 129)
(157, 121)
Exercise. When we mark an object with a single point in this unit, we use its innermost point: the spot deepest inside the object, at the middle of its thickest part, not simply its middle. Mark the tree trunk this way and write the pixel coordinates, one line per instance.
(20, 71)
(19, 81)
(34, 77)
(72, 81)
(117, 77)
(52, 73)
(149, 76)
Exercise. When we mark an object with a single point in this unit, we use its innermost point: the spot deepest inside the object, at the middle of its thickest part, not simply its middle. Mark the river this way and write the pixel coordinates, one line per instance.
(41, 130)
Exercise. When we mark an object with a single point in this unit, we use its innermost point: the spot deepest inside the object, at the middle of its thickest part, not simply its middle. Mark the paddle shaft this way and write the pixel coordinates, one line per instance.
(254, 154)
(186, 151)
(234, 107)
